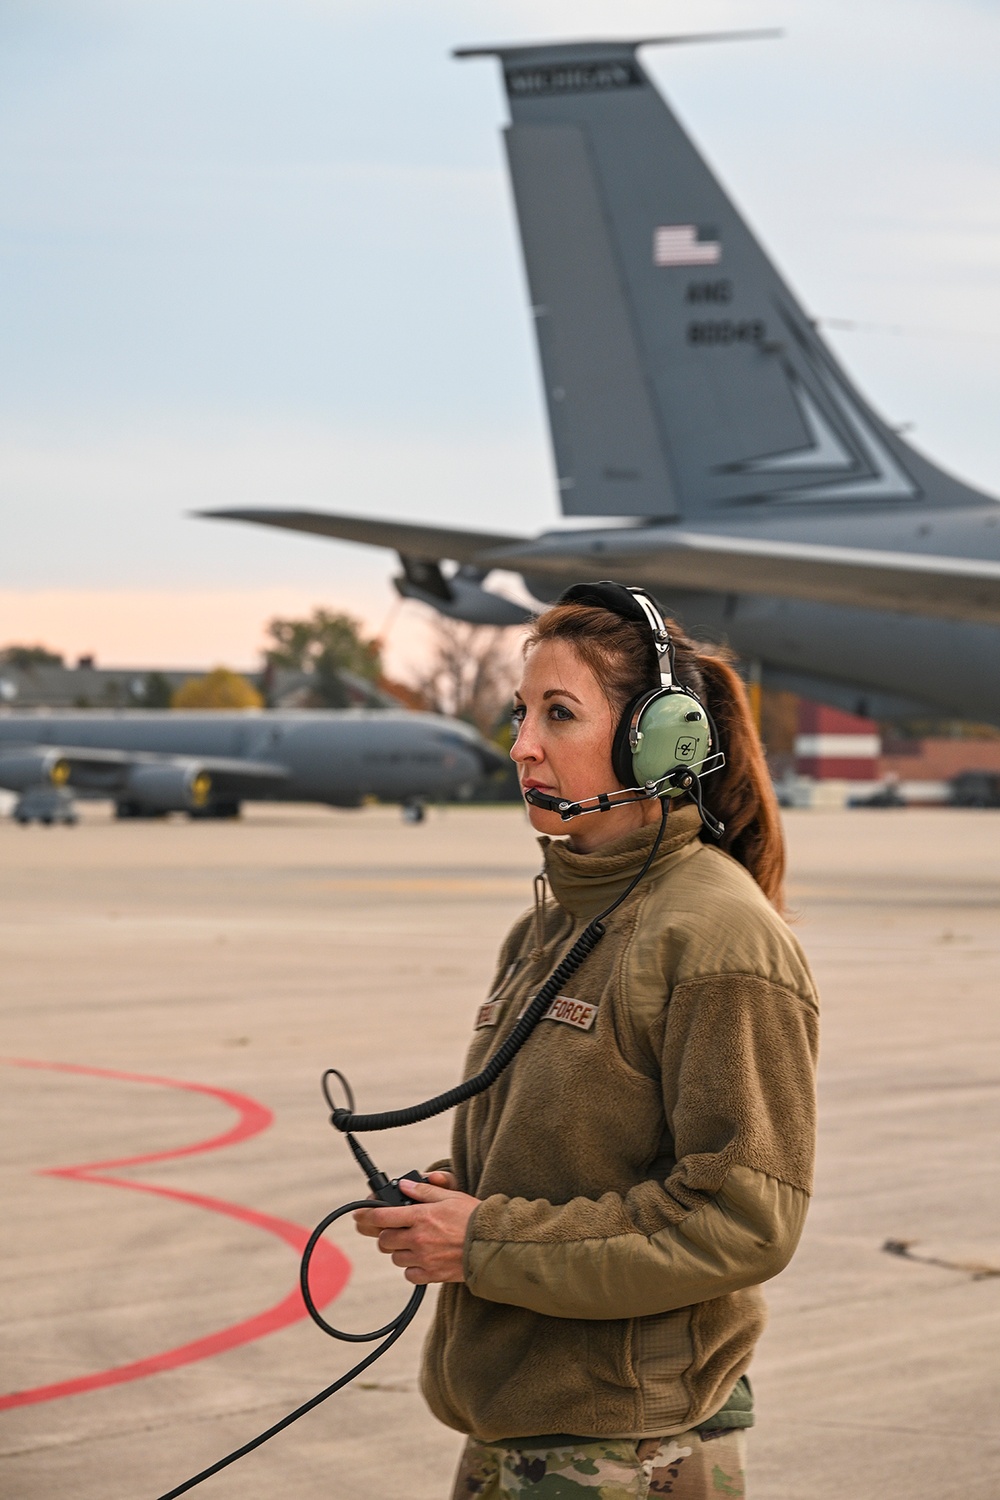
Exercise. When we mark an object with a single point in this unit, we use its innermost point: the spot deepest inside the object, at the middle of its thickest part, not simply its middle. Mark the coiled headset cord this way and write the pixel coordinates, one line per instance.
(346, 1120)
(388, 1192)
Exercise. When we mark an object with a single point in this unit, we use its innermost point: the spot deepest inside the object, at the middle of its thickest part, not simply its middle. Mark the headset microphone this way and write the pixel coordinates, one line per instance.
(567, 810)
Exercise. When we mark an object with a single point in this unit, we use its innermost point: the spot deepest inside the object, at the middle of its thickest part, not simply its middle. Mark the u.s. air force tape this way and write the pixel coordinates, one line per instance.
(572, 1012)
(564, 1008)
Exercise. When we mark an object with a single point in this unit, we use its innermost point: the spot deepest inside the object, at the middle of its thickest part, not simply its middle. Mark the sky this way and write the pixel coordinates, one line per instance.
(262, 252)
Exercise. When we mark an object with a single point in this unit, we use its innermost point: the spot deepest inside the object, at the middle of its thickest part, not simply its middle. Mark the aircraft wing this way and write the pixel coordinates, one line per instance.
(430, 542)
(233, 777)
(950, 588)
(665, 557)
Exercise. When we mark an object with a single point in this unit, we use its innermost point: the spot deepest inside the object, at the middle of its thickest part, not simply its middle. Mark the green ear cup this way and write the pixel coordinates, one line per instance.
(672, 732)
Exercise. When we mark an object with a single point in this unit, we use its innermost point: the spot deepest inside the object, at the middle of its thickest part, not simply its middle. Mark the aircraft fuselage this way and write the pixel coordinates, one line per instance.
(877, 662)
(336, 757)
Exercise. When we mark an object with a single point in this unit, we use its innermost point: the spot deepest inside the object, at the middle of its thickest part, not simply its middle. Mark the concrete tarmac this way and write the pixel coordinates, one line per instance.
(248, 957)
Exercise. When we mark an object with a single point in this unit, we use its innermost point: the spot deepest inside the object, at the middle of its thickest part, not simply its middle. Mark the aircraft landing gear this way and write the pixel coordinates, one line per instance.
(414, 811)
(215, 810)
(137, 810)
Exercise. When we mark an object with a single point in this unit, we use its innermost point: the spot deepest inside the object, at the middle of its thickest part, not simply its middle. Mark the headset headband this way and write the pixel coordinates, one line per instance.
(628, 604)
(661, 635)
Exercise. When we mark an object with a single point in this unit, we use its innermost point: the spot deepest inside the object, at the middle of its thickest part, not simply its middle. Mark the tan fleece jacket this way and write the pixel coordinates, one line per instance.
(646, 1160)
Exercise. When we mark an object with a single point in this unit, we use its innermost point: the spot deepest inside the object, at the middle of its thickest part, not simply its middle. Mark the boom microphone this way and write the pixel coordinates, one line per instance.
(602, 800)
(681, 779)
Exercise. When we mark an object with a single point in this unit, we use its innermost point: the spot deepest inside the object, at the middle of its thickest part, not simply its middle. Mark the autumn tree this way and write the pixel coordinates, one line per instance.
(219, 688)
(471, 673)
(328, 637)
(325, 645)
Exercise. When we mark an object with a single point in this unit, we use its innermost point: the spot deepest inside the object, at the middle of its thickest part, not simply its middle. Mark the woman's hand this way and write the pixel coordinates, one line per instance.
(428, 1238)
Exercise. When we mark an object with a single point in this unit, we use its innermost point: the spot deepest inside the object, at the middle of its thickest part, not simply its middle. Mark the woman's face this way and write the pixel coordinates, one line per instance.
(565, 726)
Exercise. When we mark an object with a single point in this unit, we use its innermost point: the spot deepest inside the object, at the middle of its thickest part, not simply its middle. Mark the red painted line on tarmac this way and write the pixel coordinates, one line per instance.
(329, 1271)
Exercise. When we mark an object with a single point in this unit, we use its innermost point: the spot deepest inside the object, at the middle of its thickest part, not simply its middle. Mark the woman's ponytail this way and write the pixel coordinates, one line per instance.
(741, 795)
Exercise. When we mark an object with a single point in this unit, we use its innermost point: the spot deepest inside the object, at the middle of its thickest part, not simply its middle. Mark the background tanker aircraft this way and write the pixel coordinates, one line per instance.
(694, 406)
(206, 764)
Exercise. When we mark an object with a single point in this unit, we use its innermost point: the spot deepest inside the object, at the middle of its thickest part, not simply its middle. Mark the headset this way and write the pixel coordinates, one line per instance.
(665, 740)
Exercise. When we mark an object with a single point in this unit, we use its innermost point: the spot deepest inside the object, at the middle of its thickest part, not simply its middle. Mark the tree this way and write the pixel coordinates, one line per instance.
(325, 639)
(156, 691)
(220, 688)
(472, 673)
(26, 657)
(325, 645)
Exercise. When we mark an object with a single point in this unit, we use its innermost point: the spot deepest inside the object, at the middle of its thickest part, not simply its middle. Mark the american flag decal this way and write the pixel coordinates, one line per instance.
(685, 245)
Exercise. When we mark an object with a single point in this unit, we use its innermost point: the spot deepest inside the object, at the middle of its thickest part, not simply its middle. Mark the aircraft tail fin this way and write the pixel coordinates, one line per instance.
(681, 375)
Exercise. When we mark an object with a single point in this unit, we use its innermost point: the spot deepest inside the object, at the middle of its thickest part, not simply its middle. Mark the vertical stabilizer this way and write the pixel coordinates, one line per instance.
(681, 375)
(607, 440)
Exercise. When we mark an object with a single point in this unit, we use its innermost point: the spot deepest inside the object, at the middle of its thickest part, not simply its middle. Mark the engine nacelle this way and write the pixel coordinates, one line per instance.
(152, 788)
(34, 768)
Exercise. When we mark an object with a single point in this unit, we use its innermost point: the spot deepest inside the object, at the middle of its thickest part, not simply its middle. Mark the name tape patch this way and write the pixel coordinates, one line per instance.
(489, 1011)
(571, 1012)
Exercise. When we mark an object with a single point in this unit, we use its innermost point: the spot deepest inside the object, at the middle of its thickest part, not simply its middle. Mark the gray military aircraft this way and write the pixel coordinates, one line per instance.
(151, 763)
(692, 401)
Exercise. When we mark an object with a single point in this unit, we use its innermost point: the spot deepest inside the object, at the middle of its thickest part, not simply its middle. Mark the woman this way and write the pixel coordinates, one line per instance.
(614, 1201)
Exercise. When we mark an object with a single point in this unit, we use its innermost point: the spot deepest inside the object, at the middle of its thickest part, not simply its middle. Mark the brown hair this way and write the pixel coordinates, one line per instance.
(622, 657)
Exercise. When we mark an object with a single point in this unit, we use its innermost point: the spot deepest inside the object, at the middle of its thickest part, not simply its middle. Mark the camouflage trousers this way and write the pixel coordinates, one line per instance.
(689, 1466)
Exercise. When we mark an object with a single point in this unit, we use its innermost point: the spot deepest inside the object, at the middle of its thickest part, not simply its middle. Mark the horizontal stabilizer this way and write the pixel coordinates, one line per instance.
(431, 542)
(949, 588)
(674, 39)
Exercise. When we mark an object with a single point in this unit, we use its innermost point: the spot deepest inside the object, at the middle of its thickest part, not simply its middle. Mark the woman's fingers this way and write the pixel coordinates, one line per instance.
(373, 1220)
(424, 1270)
(395, 1239)
(365, 1224)
(444, 1179)
(426, 1236)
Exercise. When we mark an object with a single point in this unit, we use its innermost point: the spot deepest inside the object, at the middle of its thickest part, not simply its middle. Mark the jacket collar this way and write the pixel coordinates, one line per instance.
(584, 884)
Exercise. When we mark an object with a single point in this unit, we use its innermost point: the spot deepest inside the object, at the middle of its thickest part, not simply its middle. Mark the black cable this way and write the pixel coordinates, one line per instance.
(347, 1120)
(714, 825)
(397, 1326)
